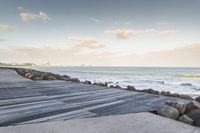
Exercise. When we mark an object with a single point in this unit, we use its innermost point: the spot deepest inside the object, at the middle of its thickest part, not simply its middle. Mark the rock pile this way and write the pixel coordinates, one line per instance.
(38, 75)
(187, 113)
(163, 93)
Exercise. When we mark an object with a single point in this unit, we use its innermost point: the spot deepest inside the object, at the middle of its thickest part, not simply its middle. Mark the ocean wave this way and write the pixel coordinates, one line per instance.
(189, 75)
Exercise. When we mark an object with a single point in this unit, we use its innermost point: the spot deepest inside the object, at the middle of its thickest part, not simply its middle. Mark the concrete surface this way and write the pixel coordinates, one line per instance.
(128, 123)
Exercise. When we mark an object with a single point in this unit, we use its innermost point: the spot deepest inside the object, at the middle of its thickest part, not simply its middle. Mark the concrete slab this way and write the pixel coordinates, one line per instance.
(128, 123)
(8, 75)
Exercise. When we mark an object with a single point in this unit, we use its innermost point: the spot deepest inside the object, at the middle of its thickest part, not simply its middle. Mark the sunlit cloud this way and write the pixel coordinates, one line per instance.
(123, 33)
(6, 27)
(27, 16)
(187, 55)
(85, 42)
(130, 33)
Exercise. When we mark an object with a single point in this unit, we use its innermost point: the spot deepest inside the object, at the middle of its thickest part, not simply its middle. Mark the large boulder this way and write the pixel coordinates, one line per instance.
(186, 97)
(131, 88)
(186, 119)
(197, 99)
(192, 105)
(168, 111)
(87, 82)
(181, 107)
(195, 115)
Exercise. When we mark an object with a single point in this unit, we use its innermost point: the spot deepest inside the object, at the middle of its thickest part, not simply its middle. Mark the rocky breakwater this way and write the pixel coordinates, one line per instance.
(39, 75)
(187, 113)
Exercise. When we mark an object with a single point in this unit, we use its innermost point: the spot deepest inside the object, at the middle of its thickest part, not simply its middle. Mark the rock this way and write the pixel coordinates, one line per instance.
(168, 111)
(131, 88)
(197, 99)
(175, 95)
(192, 105)
(30, 76)
(51, 78)
(27, 74)
(87, 82)
(112, 86)
(68, 78)
(195, 115)
(102, 84)
(65, 78)
(165, 93)
(117, 86)
(186, 119)
(75, 80)
(186, 97)
(151, 91)
(181, 107)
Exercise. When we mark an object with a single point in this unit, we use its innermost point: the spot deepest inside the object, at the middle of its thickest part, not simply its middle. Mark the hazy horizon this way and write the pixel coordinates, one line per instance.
(133, 33)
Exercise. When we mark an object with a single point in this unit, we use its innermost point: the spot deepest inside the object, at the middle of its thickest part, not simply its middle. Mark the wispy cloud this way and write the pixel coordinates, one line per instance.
(85, 42)
(95, 19)
(27, 16)
(6, 27)
(129, 33)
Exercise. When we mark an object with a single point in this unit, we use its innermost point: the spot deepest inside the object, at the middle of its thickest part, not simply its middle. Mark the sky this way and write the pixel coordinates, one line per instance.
(101, 32)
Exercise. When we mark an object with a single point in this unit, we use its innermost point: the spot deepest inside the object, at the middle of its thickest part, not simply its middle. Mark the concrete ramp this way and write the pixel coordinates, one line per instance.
(8, 75)
(129, 123)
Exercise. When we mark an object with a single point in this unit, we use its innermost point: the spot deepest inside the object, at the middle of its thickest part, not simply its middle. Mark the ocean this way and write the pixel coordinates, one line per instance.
(175, 80)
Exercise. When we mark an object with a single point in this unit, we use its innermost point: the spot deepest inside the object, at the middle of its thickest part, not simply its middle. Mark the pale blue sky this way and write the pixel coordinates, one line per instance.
(114, 28)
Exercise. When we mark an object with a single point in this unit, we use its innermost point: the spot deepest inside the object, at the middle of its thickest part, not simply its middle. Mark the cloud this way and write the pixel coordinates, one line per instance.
(130, 33)
(27, 16)
(6, 27)
(2, 40)
(85, 42)
(122, 33)
(182, 56)
(95, 19)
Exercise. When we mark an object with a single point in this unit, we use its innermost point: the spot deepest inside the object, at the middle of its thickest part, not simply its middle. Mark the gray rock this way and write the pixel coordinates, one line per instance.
(197, 99)
(75, 80)
(131, 88)
(181, 107)
(168, 111)
(195, 115)
(192, 105)
(117, 86)
(186, 119)
(87, 82)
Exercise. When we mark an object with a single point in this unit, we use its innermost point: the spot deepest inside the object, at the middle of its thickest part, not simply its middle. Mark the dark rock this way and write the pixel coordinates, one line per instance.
(181, 107)
(195, 115)
(75, 80)
(168, 111)
(117, 86)
(197, 99)
(87, 82)
(131, 88)
(192, 106)
(186, 119)
(112, 86)
(165, 93)
(151, 91)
